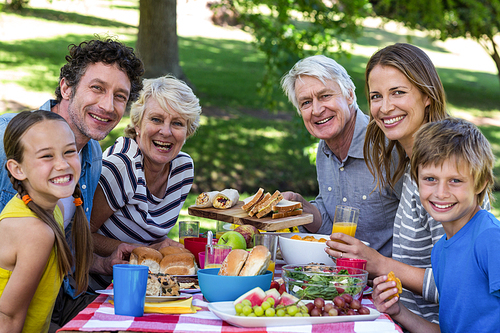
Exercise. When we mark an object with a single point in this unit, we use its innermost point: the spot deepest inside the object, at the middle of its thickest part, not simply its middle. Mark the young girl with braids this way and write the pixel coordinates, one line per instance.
(43, 166)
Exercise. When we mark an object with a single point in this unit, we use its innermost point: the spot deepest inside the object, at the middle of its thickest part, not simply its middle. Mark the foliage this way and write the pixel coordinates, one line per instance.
(16, 4)
(476, 19)
(288, 30)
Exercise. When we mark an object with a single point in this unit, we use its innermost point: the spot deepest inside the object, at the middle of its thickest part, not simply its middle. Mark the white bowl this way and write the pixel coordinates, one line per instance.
(300, 252)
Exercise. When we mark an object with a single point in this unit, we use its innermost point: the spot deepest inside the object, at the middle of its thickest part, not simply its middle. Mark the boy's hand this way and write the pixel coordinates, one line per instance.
(385, 296)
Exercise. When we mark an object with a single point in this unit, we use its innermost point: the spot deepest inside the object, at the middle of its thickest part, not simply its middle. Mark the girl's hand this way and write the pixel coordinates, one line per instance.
(354, 248)
(382, 293)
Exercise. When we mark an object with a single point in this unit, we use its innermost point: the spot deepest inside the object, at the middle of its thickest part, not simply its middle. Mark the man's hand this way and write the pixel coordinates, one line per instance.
(166, 242)
(104, 265)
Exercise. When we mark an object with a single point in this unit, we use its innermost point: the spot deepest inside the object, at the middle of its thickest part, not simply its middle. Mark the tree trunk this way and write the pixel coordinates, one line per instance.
(157, 43)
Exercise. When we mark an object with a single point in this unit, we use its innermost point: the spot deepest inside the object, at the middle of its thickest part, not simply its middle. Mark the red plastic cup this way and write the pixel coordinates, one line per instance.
(196, 245)
(352, 262)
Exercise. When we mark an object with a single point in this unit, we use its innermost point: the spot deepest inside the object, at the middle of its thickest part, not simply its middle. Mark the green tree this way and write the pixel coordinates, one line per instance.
(476, 19)
(288, 30)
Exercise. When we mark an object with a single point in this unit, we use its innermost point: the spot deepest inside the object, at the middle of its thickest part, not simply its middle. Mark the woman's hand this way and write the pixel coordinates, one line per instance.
(351, 247)
(382, 290)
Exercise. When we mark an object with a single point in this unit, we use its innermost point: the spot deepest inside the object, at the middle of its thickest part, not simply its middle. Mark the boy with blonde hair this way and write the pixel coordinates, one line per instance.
(452, 163)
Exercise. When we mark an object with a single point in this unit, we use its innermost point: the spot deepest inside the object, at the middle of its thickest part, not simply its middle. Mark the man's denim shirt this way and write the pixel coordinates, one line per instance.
(91, 160)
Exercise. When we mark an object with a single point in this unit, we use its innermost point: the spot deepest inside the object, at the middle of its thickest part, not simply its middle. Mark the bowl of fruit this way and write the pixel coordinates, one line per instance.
(308, 282)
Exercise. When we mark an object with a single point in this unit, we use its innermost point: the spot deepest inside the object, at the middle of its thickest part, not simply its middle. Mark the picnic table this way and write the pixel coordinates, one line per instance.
(99, 317)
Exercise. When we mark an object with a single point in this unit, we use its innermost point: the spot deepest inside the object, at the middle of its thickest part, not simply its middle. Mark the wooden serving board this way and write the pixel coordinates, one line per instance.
(237, 215)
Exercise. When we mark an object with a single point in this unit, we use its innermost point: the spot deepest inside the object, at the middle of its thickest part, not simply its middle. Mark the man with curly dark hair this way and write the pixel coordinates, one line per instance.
(101, 78)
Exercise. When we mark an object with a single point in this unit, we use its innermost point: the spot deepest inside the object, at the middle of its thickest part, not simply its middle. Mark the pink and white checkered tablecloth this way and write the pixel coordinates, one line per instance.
(99, 316)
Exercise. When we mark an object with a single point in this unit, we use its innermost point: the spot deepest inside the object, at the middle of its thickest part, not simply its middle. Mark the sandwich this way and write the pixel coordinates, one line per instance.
(241, 263)
(249, 202)
(265, 207)
(146, 256)
(255, 208)
(285, 208)
(226, 199)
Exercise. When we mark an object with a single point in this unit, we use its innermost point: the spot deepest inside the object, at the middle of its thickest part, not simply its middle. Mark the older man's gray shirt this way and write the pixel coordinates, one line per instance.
(349, 182)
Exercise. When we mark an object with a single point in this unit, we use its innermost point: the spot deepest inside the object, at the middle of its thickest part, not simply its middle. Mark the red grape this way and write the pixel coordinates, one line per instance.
(319, 303)
(333, 312)
(310, 306)
(339, 301)
(364, 310)
(328, 307)
(347, 298)
(315, 312)
(350, 312)
(355, 304)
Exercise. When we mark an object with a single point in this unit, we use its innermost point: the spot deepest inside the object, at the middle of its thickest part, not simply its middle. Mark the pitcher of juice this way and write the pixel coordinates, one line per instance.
(345, 220)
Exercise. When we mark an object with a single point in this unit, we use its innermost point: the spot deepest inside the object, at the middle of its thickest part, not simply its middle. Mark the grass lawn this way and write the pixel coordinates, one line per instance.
(235, 148)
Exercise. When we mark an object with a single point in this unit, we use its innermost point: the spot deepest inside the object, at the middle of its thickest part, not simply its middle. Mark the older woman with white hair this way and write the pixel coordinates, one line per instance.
(145, 176)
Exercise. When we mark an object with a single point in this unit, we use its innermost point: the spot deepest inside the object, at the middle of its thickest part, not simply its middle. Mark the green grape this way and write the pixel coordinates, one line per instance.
(306, 315)
(292, 310)
(252, 315)
(246, 310)
(304, 309)
(258, 310)
(279, 306)
(238, 307)
(280, 312)
(270, 312)
(265, 305)
(246, 302)
(270, 300)
(299, 314)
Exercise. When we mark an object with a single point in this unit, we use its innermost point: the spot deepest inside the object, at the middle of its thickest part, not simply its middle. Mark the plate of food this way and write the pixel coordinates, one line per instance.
(226, 312)
(109, 292)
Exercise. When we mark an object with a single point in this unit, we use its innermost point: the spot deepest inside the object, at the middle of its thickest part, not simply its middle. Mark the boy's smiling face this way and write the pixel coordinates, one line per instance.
(447, 193)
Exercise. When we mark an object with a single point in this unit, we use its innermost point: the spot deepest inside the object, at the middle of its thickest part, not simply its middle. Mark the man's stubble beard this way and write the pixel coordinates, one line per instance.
(77, 119)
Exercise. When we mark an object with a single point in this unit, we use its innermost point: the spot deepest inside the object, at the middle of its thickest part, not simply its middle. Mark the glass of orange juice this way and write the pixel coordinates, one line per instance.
(270, 241)
(345, 220)
(223, 227)
(188, 229)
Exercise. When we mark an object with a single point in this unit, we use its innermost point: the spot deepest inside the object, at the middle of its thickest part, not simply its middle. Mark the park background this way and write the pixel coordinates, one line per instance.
(241, 142)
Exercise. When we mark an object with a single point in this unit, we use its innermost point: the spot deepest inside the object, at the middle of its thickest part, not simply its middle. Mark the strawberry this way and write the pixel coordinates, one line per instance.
(282, 289)
(275, 285)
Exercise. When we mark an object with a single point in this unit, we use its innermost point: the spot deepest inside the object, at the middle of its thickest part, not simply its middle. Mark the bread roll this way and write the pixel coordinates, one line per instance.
(257, 261)
(233, 263)
(146, 256)
(165, 251)
(178, 264)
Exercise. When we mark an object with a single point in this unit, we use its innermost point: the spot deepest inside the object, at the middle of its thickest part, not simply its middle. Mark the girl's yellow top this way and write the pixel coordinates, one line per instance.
(42, 303)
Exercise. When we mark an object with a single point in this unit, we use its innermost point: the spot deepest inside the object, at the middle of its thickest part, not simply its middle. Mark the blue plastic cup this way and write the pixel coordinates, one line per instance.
(129, 289)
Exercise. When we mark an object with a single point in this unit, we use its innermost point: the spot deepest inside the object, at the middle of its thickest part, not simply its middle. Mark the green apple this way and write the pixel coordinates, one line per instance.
(233, 239)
